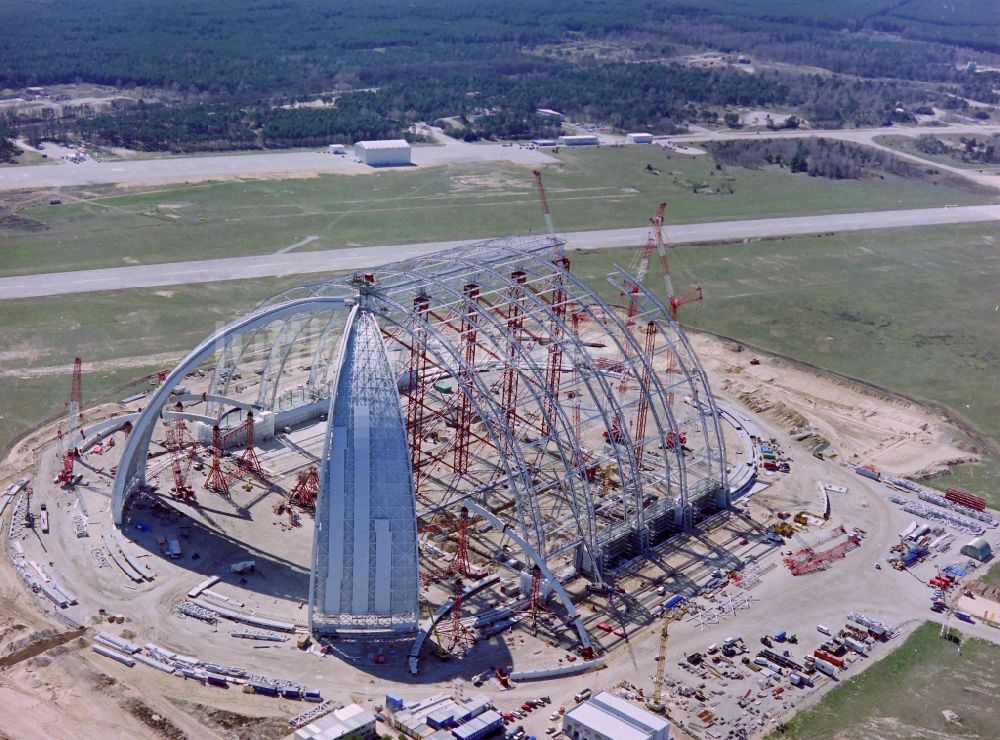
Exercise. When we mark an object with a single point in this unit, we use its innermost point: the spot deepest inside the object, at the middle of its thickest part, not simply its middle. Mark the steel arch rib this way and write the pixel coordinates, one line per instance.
(544, 307)
(132, 468)
(613, 316)
(502, 331)
(484, 392)
(699, 370)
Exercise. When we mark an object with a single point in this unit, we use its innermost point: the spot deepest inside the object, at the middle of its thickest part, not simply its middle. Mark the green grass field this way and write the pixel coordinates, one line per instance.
(130, 333)
(903, 695)
(595, 189)
(992, 576)
(911, 310)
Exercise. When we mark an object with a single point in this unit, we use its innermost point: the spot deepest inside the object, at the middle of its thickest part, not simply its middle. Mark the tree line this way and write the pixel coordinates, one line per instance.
(817, 157)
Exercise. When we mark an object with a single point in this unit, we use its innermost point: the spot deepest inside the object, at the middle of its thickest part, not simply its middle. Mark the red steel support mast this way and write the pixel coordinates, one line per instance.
(464, 429)
(417, 378)
(248, 461)
(216, 480)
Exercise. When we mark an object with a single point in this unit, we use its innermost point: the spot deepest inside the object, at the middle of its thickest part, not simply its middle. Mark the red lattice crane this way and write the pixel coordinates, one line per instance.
(67, 441)
(216, 481)
(458, 636)
(654, 242)
(692, 296)
(463, 431)
(306, 489)
(460, 565)
(248, 462)
(175, 444)
(546, 212)
(533, 607)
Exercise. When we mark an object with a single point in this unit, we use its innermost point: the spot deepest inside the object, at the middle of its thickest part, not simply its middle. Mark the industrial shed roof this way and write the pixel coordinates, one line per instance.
(384, 144)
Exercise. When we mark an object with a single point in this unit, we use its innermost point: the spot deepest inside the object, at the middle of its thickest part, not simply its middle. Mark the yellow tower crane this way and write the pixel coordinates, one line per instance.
(655, 702)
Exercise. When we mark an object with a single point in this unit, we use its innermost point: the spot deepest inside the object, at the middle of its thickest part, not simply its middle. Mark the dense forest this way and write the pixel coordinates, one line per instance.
(230, 69)
(818, 157)
(240, 46)
(661, 98)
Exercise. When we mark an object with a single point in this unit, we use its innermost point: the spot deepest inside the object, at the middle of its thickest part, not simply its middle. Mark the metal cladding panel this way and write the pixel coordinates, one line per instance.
(367, 499)
(383, 563)
(362, 508)
(336, 534)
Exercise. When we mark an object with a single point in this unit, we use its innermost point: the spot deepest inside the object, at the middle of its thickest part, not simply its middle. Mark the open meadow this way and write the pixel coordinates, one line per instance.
(593, 189)
(123, 337)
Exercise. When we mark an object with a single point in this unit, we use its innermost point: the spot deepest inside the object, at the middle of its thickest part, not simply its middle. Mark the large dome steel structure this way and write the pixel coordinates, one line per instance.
(488, 378)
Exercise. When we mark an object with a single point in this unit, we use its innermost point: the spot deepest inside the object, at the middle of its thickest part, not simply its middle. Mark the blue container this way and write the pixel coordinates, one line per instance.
(394, 702)
(673, 601)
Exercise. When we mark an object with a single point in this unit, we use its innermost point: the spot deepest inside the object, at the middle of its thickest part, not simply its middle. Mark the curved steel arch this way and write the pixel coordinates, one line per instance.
(132, 471)
(457, 366)
(575, 502)
(539, 388)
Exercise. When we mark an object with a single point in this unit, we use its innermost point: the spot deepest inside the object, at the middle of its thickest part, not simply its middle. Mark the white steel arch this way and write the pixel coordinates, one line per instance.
(596, 432)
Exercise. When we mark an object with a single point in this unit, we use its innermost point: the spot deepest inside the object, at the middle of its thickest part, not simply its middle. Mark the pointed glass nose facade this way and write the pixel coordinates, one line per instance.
(364, 574)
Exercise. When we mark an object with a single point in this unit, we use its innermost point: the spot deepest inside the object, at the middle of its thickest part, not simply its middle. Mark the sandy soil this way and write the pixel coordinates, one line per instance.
(855, 423)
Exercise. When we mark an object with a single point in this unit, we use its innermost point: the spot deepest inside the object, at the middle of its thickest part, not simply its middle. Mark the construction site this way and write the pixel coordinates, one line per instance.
(470, 468)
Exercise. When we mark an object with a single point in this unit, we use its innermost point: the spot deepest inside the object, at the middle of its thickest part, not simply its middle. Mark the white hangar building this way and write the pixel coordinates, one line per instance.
(386, 153)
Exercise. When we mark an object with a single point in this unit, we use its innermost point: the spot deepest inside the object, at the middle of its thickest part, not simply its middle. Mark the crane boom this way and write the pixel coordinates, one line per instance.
(654, 240)
(656, 700)
(550, 227)
(73, 410)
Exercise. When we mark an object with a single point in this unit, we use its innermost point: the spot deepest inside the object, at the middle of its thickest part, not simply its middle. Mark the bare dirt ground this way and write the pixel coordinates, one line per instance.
(51, 684)
(853, 422)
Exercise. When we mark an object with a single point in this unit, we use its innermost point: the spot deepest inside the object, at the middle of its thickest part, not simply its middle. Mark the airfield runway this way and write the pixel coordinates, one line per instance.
(292, 263)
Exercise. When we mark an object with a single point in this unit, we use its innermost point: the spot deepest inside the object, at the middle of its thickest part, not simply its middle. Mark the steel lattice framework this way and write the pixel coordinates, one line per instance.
(585, 428)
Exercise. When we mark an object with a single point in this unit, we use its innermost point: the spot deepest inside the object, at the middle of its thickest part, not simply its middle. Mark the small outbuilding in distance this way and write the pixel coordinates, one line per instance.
(578, 140)
(386, 153)
(639, 138)
(338, 149)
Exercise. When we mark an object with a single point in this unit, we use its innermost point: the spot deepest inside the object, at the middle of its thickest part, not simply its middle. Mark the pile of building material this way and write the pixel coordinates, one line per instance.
(943, 515)
(193, 610)
(809, 561)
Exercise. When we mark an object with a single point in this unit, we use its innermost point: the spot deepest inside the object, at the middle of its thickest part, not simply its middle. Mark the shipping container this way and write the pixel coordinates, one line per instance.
(829, 657)
(827, 668)
(394, 702)
(873, 474)
(855, 646)
(673, 601)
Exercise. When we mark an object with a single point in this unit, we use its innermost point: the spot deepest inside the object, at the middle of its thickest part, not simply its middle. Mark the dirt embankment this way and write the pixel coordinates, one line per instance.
(842, 418)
